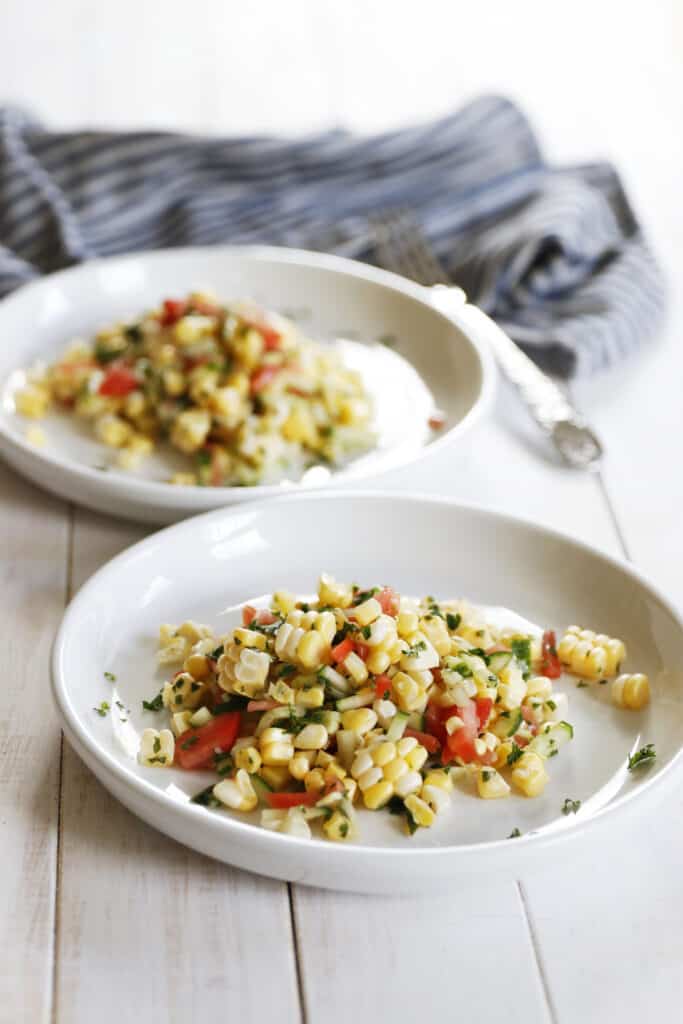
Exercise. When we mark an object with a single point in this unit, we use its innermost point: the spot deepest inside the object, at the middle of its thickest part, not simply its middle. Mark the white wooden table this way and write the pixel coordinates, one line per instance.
(103, 919)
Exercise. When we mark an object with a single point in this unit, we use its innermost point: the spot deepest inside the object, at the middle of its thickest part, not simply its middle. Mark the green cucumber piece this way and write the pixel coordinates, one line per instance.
(508, 725)
(548, 742)
(397, 726)
(356, 700)
(261, 787)
(499, 660)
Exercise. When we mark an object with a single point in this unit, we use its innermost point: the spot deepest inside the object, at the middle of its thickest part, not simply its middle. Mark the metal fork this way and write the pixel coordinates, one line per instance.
(402, 247)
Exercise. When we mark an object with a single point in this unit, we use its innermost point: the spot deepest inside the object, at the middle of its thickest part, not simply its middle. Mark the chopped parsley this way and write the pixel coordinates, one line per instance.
(570, 806)
(110, 677)
(234, 702)
(413, 651)
(189, 742)
(453, 621)
(287, 670)
(486, 775)
(551, 704)
(205, 798)
(514, 754)
(396, 806)
(154, 705)
(645, 755)
(515, 834)
(102, 709)
(581, 685)
(364, 595)
(157, 745)
(217, 652)
(366, 631)
(521, 648)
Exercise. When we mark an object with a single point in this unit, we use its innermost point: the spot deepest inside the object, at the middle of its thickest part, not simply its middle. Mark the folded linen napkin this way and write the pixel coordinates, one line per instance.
(554, 255)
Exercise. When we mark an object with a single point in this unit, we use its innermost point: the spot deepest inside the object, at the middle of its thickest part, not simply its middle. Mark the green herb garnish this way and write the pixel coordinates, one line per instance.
(189, 742)
(205, 798)
(515, 834)
(514, 754)
(642, 756)
(102, 709)
(570, 806)
(110, 677)
(156, 704)
(453, 621)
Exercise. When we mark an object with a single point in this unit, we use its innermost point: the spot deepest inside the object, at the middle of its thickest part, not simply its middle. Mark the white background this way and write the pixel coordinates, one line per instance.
(107, 920)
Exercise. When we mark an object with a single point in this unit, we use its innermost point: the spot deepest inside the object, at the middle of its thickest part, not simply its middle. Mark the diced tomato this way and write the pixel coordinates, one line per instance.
(196, 747)
(430, 743)
(172, 311)
(272, 339)
(248, 615)
(551, 666)
(282, 801)
(484, 705)
(342, 650)
(521, 741)
(528, 715)
(205, 307)
(333, 784)
(191, 362)
(266, 617)
(389, 600)
(434, 724)
(461, 742)
(437, 419)
(118, 381)
(362, 650)
(382, 687)
(262, 705)
(262, 377)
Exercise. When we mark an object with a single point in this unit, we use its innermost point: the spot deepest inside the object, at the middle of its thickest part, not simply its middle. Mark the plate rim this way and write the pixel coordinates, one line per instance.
(224, 825)
(140, 490)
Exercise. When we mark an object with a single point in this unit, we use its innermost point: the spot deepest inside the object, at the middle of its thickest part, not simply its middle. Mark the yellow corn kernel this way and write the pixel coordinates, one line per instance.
(180, 722)
(491, 785)
(405, 745)
(502, 753)
(334, 771)
(279, 753)
(174, 382)
(311, 737)
(276, 776)
(32, 401)
(339, 595)
(183, 693)
(313, 697)
(378, 662)
(300, 764)
(192, 328)
(190, 430)
(183, 479)
(202, 716)
(395, 769)
(420, 811)
(112, 430)
(436, 631)
(249, 638)
(435, 797)
(356, 668)
(416, 758)
(283, 601)
(408, 693)
(408, 622)
(383, 753)
(441, 780)
(529, 774)
(631, 691)
(156, 748)
(378, 795)
(249, 759)
(238, 794)
(591, 655)
(323, 759)
(197, 665)
(350, 788)
(367, 612)
(300, 426)
(359, 720)
(311, 650)
(337, 827)
(373, 775)
(314, 781)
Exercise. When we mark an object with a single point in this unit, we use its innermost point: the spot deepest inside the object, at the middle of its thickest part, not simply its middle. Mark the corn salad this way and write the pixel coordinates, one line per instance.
(240, 392)
(311, 710)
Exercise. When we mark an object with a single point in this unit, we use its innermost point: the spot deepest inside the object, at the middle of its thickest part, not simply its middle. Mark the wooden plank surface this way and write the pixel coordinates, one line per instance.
(147, 930)
(33, 559)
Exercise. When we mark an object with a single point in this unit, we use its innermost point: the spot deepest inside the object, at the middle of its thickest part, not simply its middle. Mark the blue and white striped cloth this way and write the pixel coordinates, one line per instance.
(555, 255)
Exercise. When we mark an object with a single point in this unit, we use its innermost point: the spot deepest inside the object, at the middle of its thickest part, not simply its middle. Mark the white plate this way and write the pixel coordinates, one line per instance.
(433, 361)
(200, 567)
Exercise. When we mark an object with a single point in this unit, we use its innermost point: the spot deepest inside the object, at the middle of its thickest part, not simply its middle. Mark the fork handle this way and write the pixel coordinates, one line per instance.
(546, 402)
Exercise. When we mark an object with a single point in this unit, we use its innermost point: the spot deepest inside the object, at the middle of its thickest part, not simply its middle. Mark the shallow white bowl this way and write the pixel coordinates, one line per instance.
(435, 361)
(198, 568)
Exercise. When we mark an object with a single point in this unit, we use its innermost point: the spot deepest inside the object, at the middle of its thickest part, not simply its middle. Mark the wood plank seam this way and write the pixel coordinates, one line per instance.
(68, 591)
(297, 956)
(536, 949)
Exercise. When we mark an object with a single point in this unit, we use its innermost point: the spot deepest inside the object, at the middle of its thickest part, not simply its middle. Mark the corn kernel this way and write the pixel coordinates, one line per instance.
(631, 691)
(300, 764)
(32, 402)
(339, 595)
(435, 797)
(314, 781)
(369, 778)
(356, 668)
(408, 622)
(360, 720)
(378, 795)
(410, 782)
(180, 722)
(395, 769)
(313, 697)
(278, 753)
(249, 759)
(378, 662)
(491, 785)
(311, 737)
(529, 774)
(441, 780)
(275, 776)
(421, 812)
(383, 753)
(311, 649)
(202, 716)
(238, 794)
(156, 748)
(337, 827)
(405, 745)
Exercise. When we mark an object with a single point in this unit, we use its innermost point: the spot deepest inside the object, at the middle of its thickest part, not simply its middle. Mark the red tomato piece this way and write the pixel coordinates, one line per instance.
(342, 650)
(282, 801)
(196, 747)
(266, 617)
(551, 666)
(389, 600)
(362, 650)
(484, 705)
(382, 688)
(461, 744)
(434, 725)
(430, 743)
(272, 339)
(248, 615)
(262, 377)
(437, 420)
(118, 381)
(172, 311)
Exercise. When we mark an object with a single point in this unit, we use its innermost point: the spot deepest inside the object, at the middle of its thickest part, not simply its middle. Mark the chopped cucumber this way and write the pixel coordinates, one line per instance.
(347, 741)
(397, 726)
(334, 682)
(499, 660)
(261, 787)
(362, 699)
(507, 724)
(416, 720)
(548, 742)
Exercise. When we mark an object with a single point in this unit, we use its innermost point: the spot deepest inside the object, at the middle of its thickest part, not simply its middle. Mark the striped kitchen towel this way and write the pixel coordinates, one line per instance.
(554, 254)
